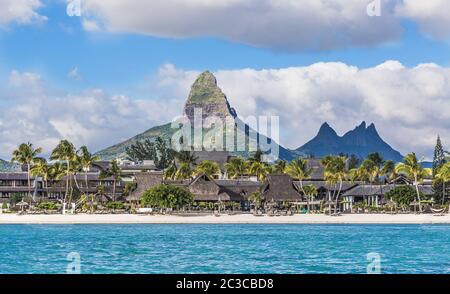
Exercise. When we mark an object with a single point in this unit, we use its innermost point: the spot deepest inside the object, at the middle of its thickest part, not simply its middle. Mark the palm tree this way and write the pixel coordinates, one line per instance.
(412, 168)
(56, 171)
(259, 169)
(86, 160)
(255, 198)
(377, 164)
(310, 193)
(369, 171)
(208, 167)
(186, 157)
(388, 169)
(299, 169)
(170, 172)
(279, 167)
(236, 168)
(26, 154)
(334, 173)
(444, 175)
(115, 173)
(42, 169)
(65, 151)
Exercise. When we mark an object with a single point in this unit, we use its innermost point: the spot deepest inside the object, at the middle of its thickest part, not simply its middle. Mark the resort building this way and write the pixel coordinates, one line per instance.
(277, 188)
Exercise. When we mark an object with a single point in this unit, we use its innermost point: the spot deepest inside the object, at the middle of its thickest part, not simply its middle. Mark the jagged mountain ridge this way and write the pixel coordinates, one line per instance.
(360, 141)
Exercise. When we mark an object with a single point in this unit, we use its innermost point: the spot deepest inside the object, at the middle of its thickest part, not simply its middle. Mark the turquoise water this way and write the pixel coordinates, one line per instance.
(225, 248)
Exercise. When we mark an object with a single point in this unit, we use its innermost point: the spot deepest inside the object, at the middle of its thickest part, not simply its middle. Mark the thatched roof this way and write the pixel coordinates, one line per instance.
(9, 176)
(381, 190)
(144, 182)
(280, 187)
(326, 186)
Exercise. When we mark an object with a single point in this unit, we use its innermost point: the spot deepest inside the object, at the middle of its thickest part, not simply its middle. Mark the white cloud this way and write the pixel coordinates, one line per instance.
(287, 25)
(432, 16)
(408, 105)
(91, 117)
(20, 11)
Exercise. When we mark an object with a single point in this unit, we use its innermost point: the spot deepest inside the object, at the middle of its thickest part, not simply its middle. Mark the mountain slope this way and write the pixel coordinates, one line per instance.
(206, 96)
(360, 141)
(6, 166)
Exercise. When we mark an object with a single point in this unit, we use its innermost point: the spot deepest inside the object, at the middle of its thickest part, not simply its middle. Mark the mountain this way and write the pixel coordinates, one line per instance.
(6, 166)
(205, 95)
(360, 141)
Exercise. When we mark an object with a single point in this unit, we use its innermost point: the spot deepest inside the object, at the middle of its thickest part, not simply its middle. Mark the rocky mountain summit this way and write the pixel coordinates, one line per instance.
(207, 96)
(360, 141)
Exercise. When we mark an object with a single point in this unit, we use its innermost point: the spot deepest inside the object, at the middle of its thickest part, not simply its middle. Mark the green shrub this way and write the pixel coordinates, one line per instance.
(166, 196)
(4, 205)
(47, 205)
(115, 205)
(403, 195)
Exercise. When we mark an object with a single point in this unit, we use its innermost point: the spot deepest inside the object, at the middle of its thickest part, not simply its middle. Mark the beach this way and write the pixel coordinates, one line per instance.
(225, 219)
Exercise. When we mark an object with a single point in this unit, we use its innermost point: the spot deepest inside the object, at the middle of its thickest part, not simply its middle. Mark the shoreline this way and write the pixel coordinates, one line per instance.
(225, 219)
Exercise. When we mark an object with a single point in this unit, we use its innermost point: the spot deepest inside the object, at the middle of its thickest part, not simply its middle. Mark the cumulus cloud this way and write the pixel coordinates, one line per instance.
(20, 11)
(408, 105)
(432, 16)
(91, 118)
(282, 25)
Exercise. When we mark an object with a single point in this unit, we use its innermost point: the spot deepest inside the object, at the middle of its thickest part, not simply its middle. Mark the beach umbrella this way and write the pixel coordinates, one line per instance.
(22, 204)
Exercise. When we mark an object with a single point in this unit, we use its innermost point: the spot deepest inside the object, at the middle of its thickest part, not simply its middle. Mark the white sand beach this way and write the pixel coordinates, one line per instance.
(225, 219)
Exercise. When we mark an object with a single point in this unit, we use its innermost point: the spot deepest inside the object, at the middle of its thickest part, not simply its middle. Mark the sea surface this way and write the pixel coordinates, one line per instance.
(221, 248)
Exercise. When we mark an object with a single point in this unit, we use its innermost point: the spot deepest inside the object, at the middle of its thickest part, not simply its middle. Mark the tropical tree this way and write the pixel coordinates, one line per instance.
(166, 196)
(114, 172)
(236, 168)
(184, 172)
(65, 151)
(256, 200)
(335, 173)
(26, 154)
(86, 160)
(443, 174)
(310, 193)
(279, 167)
(402, 195)
(259, 169)
(388, 170)
(377, 164)
(42, 169)
(187, 157)
(438, 157)
(412, 168)
(170, 172)
(300, 170)
(208, 167)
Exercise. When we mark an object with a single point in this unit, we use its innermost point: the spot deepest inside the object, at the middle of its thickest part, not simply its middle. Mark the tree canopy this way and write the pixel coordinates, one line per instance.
(166, 196)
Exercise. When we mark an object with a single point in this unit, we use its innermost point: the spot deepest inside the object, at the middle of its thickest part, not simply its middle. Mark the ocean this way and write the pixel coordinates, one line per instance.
(209, 248)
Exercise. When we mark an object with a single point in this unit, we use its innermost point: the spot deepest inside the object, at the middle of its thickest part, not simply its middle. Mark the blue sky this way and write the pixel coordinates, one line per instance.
(126, 58)
(116, 61)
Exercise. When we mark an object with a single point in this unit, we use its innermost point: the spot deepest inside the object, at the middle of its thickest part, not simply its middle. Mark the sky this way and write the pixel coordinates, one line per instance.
(97, 72)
